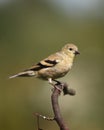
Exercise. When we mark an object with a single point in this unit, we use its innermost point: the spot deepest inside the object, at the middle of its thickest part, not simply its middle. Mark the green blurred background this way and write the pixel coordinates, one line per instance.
(31, 30)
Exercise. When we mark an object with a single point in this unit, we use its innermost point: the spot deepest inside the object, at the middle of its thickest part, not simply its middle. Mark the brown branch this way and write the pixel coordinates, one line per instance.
(58, 88)
(56, 108)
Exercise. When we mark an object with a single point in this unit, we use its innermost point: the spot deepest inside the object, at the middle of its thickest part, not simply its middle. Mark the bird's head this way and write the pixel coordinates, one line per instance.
(70, 49)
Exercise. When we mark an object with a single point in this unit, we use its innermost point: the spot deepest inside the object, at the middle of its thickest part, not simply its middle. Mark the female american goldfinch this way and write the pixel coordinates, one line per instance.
(55, 66)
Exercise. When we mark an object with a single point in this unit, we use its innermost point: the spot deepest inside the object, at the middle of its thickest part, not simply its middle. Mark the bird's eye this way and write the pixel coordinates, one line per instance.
(70, 49)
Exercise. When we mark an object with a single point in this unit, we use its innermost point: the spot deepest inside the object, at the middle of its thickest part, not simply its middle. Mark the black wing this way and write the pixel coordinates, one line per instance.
(43, 64)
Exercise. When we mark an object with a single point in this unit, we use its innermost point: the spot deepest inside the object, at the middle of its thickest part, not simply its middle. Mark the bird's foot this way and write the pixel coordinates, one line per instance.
(56, 85)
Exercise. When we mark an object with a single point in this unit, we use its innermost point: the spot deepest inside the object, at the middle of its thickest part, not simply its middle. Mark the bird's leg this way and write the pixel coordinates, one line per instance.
(58, 83)
(50, 81)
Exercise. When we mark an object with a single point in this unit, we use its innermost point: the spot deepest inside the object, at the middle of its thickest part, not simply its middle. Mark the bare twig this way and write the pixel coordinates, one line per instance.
(56, 108)
(44, 117)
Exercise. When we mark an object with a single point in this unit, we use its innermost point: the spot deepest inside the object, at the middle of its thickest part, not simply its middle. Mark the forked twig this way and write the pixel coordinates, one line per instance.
(55, 105)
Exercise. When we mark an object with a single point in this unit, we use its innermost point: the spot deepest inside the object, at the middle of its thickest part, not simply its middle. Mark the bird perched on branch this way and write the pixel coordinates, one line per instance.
(55, 66)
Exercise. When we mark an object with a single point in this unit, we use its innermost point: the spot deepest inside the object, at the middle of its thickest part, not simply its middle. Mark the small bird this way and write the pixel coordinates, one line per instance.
(55, 66)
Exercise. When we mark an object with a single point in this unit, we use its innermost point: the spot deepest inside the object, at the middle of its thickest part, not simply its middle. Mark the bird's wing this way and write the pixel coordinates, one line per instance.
(51, 61)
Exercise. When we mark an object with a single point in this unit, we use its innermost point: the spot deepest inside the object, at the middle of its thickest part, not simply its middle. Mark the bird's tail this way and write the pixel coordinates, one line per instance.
(28, 73)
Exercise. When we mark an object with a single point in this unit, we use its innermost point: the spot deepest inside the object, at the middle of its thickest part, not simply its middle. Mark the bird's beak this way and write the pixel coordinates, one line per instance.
(77, 52)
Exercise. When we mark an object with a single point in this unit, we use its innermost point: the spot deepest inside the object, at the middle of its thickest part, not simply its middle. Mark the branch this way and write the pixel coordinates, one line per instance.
(55, 104)
(58, 88)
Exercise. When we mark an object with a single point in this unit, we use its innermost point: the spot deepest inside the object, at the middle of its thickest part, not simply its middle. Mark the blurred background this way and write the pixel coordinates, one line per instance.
(30, 30)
